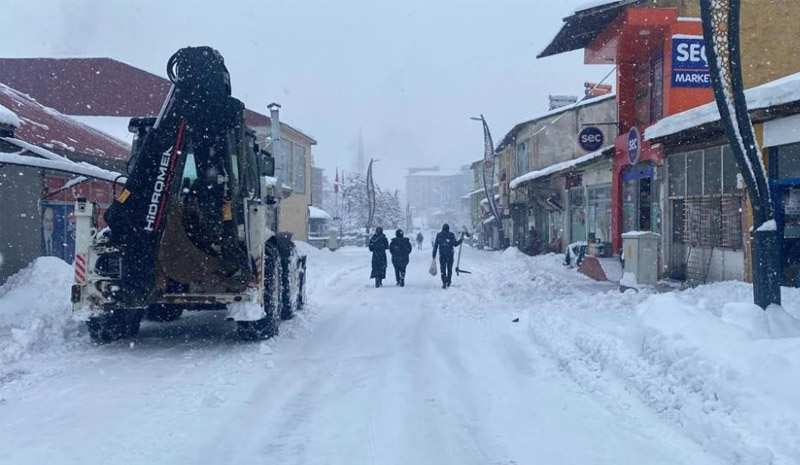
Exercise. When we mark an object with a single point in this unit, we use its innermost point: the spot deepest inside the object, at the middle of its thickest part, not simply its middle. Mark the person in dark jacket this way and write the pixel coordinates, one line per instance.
(445, 243)
(420, 238)
(400, 248)
(378, 245)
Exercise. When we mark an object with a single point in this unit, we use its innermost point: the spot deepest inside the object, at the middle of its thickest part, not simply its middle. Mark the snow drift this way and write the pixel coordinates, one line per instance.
(35, 310)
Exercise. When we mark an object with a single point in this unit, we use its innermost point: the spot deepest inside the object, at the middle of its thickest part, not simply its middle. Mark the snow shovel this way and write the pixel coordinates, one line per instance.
(458, 262)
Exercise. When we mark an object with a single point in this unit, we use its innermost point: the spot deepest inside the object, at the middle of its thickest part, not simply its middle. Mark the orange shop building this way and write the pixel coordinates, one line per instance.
(661, 70)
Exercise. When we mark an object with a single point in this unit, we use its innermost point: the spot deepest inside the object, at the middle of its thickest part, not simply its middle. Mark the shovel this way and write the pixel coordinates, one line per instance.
(458, 262)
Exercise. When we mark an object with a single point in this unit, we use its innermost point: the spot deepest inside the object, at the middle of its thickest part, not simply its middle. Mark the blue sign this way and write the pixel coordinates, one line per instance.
(634, 145)
(689, 62)
(58, 230)
(591, 139)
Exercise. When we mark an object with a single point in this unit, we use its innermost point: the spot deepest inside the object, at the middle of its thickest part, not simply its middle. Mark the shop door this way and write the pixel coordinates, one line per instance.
(788, 218)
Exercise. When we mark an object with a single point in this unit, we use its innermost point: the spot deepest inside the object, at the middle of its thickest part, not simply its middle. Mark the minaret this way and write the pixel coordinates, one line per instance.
(360, 162)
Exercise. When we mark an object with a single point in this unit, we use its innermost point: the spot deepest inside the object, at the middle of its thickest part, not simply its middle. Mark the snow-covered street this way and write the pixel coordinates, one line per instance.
(414, 375)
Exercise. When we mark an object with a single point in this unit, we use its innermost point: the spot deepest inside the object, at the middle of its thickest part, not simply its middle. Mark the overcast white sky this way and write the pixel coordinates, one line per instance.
(409, 73)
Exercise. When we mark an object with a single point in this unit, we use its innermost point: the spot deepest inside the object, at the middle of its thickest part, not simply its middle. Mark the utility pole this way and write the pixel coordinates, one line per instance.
(721, 20)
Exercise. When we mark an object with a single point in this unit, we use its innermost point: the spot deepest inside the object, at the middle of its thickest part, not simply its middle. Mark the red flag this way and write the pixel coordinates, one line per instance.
(336, 182)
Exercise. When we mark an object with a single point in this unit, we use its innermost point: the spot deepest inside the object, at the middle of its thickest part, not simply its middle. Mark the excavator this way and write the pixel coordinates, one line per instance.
(194, 225)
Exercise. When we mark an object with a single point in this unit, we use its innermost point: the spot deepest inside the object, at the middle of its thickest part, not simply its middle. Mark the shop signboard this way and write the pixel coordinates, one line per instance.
(689, 62)
(634, 145)
(591, 138)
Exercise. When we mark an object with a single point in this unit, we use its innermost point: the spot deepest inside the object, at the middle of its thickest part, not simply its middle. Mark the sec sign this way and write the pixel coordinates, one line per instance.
(591, 138)
(634, 145)
(690, 62)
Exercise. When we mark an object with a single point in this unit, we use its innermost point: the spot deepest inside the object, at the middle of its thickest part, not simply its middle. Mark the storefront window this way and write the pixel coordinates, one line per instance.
(694, 173)
(706, 204)
(677, 175)
(788, 161)
(712, 171)
(578, 215)
(729, 171)
(630, 205)
(599, 210)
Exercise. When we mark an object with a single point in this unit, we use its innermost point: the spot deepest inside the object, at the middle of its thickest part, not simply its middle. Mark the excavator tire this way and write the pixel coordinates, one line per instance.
(266, 327)
(288, 255)
(163, 313)
(115, 325)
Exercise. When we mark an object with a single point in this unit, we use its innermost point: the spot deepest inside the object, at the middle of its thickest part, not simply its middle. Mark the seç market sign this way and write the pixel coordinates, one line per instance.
(689, 62)
(634, 145)
(591, 138)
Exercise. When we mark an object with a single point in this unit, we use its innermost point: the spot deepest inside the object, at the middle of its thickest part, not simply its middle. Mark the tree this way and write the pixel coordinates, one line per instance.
(355, 206)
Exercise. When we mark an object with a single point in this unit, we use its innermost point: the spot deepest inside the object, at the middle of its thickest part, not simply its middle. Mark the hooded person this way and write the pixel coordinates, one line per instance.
(445, 243)
(400, 248)
(378, 245)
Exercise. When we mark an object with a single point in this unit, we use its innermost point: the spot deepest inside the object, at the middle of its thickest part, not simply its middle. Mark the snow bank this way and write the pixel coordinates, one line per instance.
(707, 360)
(35, 310)
(304, 248)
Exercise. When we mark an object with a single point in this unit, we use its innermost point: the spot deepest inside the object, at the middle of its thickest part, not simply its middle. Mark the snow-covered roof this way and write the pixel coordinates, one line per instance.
(115, 126)
(8, 117)
(774, 93)
(549, 114)
(317, 213)
(564, 165)
(48, 128)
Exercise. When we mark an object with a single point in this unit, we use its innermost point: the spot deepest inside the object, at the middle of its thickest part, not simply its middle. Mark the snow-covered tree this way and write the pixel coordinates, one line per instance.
(355, 206)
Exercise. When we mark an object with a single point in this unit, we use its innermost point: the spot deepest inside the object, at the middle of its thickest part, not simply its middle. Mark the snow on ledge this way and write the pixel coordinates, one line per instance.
(564, 165)
(317, 213)
(9, 118)
(779, 92)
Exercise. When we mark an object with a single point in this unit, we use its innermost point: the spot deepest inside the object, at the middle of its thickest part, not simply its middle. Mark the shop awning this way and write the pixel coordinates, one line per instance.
(584, 25)
(774, 94)
(563, 166)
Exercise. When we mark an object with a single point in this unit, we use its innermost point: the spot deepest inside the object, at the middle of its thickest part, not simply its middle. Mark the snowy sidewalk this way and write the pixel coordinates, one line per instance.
(414, 375)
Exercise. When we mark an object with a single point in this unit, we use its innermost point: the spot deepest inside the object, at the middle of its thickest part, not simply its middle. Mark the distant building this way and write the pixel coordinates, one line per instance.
(436, 196)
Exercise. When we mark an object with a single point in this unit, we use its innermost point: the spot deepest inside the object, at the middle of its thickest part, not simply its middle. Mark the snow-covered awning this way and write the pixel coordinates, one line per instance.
(43, 158)
(780, 92)
(584, 25)
(317, 213)
(558, 167)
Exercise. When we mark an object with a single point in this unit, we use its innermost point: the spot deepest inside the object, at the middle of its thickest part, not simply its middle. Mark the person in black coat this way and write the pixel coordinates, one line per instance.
(378, 245)
(446, 243)
(400, 248)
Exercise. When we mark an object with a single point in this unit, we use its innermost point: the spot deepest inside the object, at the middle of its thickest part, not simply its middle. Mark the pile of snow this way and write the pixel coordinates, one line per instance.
(722, 370)
(35, 309)
(8, 117)
(306, 249)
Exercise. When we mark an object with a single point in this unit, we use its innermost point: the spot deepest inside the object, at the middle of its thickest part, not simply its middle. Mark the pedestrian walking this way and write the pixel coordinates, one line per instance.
(420, 238)
(378, 245)
(445, 243)
(400, 248)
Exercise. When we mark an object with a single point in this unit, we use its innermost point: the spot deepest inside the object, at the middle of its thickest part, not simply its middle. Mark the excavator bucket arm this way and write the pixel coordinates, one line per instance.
(199, 119)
